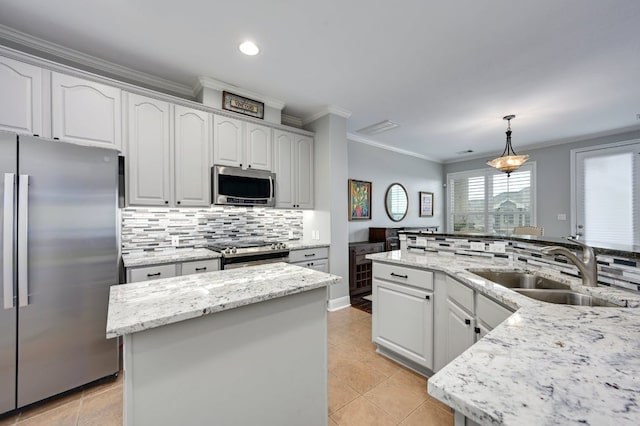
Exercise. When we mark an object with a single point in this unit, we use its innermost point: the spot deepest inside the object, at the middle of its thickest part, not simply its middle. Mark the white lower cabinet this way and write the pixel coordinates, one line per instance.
(460, 331)
(312, 258)
(147, 273)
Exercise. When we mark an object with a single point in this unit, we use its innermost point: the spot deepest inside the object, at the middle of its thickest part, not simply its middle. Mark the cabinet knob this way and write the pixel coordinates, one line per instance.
(427, 297)
(240, 164)
(166, 202)
(467, 321)
(477, 330)
(178, 202)
(249, 166)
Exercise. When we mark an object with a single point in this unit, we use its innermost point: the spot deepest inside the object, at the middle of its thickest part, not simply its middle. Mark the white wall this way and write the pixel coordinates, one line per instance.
(382, 168)
(553, 179)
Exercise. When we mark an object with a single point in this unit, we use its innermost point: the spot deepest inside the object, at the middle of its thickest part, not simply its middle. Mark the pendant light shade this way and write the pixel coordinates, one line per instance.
(509, 160)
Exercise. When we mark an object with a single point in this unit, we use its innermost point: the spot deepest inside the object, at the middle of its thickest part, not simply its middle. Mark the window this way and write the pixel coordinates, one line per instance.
(485, 201)
(606, 193)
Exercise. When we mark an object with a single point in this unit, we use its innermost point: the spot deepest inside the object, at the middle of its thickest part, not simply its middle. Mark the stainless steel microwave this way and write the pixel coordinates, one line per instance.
(239, 187)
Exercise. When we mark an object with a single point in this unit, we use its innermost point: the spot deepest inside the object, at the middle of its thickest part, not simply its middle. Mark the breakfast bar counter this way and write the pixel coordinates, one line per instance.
(242, 346)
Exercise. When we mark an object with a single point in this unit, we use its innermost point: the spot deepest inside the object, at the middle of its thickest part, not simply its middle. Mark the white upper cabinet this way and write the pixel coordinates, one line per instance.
(258, 153)
(148, 151)
(192, 141)
(85, 111)
(20, 97)
(227, 141)
(283, 166)
(304, 171)
(293, 165)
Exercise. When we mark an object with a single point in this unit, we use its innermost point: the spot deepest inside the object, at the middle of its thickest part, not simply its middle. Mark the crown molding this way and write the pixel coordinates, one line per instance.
(212, 83)
(58, 51)
(291, 120)
(357, 138)
(329, 109)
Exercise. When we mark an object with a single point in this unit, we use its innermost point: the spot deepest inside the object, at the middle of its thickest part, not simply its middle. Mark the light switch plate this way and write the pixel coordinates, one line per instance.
(477, 246)
(290, 235)
(562, 216)
(175, 240)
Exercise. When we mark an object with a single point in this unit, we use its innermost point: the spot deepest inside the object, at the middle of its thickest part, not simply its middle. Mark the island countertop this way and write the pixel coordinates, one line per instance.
(546, 364)
(140, 306)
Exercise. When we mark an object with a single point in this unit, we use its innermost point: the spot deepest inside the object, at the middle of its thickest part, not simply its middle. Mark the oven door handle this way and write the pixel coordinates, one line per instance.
(271, 187)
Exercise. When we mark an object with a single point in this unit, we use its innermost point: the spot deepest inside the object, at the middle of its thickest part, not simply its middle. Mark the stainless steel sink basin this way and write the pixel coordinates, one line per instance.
(515, 279)
(564, 297)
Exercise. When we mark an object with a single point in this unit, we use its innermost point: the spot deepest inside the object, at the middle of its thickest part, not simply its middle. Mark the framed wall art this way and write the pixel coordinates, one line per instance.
(426, 204)
(359, 200)
(242, 105)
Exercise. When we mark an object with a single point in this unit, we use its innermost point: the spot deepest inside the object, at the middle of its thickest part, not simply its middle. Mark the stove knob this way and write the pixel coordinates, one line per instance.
(233, 250)
(273, 246)
(284, 246)
(227, 250)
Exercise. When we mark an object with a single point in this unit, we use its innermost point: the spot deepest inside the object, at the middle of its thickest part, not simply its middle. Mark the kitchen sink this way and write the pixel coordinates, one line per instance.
(520, 280)
(564, 297)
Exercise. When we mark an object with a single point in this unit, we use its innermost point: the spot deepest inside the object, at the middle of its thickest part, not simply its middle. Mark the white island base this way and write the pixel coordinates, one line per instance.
(259, 364)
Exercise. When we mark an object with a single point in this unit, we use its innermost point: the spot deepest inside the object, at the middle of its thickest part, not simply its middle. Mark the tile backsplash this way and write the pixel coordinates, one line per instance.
(614, 271)
(145, 229)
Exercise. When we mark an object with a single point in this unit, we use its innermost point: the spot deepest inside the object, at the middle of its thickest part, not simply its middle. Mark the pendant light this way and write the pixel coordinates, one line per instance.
(509, 160)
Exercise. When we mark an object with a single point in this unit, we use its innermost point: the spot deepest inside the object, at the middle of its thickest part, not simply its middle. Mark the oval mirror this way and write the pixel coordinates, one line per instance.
(396, 202)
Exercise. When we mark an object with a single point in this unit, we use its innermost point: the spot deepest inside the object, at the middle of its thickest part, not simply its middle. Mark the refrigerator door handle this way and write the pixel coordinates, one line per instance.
(7, 241)
(23, 228)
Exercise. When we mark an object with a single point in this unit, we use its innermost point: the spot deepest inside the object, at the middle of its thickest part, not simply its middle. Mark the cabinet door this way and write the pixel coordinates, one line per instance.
(192, 173)
(227, 141)
(85, 111)
(403, 321)
(304, 172)
(284, 169)
(460, 334)
(149, 150)
(320, 265)
(258, 153)
(21, 99)
(149, 273)
(481, 330)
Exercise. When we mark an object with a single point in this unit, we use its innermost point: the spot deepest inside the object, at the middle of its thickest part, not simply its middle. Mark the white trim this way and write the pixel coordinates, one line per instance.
(361, 139)
(80, 58)
(573, 154)
(338, 303)
(291, 120)
(212, 83)
(329, 109)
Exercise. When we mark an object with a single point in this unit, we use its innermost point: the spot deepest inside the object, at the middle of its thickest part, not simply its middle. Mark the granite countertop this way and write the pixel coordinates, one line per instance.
(140, 306)
(160, 257)
(545, 365)
(629, 251)
(299, 245)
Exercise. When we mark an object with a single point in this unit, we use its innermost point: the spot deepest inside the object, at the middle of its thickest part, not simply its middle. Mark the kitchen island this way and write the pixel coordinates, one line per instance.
(546, 364)
(243, 346)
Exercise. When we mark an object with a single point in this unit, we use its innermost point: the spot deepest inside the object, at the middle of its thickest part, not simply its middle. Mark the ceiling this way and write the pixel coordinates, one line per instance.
(445, 71)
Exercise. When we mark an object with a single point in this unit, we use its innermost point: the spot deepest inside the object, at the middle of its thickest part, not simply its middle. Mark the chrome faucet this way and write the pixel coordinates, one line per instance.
(587, 265)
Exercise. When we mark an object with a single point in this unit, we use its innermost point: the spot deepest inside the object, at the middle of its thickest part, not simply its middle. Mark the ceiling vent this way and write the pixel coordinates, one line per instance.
(380, 127)
(466, 151)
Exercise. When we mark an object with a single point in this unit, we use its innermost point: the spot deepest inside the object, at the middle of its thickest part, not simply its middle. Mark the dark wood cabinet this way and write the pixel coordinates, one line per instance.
(389, 236)
(360, 271)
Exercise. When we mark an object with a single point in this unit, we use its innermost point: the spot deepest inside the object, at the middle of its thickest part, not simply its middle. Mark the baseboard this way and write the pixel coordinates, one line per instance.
(338, 303)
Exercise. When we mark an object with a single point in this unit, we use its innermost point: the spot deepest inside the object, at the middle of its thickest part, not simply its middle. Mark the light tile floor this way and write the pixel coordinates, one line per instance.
(365, 389)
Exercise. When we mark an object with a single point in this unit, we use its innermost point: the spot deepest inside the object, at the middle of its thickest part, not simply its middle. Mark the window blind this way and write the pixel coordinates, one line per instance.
(484, 201)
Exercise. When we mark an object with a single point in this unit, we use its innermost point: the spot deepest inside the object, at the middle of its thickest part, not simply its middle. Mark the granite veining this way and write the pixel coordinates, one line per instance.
(160, 257)
(547, 364)
(301, 245)
(140, 306)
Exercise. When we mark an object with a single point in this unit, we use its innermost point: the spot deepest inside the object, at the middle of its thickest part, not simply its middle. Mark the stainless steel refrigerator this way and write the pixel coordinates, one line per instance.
(58, 222)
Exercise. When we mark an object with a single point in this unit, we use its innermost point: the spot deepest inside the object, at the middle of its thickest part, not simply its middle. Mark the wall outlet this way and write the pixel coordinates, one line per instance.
(497, 248)
(315, 235)
(477, 246)
(562, 216)
(291, 235)
(175, 240)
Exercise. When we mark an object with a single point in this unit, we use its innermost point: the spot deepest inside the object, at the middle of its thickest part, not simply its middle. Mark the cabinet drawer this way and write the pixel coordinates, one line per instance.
(151, 273)
(321, 265)
(400, 274)
(460, 294)
(200, 266)
(490, 312)
(308, 254)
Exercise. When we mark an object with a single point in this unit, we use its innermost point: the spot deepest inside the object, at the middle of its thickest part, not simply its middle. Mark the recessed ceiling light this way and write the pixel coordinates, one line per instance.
(249, 48)
(380, 127)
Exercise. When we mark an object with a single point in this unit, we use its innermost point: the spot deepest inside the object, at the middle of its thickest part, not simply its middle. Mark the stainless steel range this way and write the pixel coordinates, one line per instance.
(241, 254)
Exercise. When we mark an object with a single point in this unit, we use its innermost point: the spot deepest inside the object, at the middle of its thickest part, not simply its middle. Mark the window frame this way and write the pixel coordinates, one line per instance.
(486, 173)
